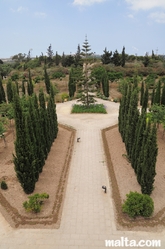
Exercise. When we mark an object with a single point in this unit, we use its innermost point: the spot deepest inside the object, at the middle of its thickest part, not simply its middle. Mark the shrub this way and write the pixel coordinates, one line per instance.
(4, 185)
(138, 204)
(15, 77)
(35, 202)
(58, 75)
(37, 79)
(64, 96)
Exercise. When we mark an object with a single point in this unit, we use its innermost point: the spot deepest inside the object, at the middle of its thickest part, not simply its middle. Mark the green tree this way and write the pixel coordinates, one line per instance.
(30, 84)
(86, 82)
(23, 88)
(146, 60)
(50, 55)
(63, 60)
(72, 83)
(123, 57)
(163, 95)
(9, 91)
(116, 58)
(106, 58)
(137, 145)
(142, 153)
(131, 122)
(78, 60)
(2, 92)
(149, 162)
(157, 96)
(105, 84)
(47, 80)
(57, 59)
(141, 93)
(145, 99)
(23, 158)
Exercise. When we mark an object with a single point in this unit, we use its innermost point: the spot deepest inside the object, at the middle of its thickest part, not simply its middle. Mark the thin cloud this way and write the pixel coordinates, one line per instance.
(135, 49)
(40, 14)
(87, 2)
(146, 4)
(131, 16)
(20, 9)
(158, 17)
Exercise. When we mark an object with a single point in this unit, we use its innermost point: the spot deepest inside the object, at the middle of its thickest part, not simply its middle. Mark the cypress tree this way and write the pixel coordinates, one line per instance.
(33, 129)
(157, 96)
(23, 88)
(42, 99)
(9, 91)
(153, 96)
(47, 80)
(43, 122)
(142, 155)
(38, 131)
(105, 84)
(24, 165)
(137, 145)
(2, 92)
(163, 95)
(132, 119)
(145, 99)
(30, 84)
(71, 83)
(149, 162)
(123, 57)
(122, 110)
(126, 108)
(53, 114)
(141, 93)
(17, 87)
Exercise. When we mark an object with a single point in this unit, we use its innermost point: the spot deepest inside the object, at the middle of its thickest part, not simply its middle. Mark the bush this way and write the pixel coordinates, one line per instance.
(58, 75)
(35, 202)
(138, 205)
(15, 77)
(112, 76)
(4, 185)
(64, 96)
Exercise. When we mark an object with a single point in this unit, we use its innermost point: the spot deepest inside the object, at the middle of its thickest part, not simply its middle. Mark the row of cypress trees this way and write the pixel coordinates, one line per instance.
(139, 136)
(36, 128)
(157, 96)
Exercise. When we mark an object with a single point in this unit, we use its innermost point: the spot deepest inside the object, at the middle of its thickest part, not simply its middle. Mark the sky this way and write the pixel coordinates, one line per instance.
(26, 25)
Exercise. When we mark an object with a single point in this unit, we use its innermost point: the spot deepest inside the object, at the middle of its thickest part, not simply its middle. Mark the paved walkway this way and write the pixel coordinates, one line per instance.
(88, 216)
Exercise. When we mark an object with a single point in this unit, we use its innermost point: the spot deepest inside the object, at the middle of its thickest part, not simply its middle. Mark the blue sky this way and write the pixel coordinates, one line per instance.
(139, 25)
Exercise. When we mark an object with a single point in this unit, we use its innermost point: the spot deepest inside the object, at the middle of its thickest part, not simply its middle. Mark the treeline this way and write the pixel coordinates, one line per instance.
(51, 59)
(36, 128)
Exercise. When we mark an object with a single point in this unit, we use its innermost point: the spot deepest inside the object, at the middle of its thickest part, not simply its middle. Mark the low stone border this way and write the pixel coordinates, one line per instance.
(17, 220)
(122, 219)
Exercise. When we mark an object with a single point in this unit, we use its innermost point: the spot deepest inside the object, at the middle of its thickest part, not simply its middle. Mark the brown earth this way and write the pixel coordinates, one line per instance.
(52, 181)
(123, 180)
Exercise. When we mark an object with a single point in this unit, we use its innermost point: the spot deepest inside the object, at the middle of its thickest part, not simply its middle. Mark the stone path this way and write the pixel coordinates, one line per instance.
(88, 216)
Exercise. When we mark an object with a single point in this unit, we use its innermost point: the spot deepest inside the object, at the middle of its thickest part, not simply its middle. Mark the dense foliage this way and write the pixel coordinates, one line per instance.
(138, 204)
(139, 137)
(36, 129)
